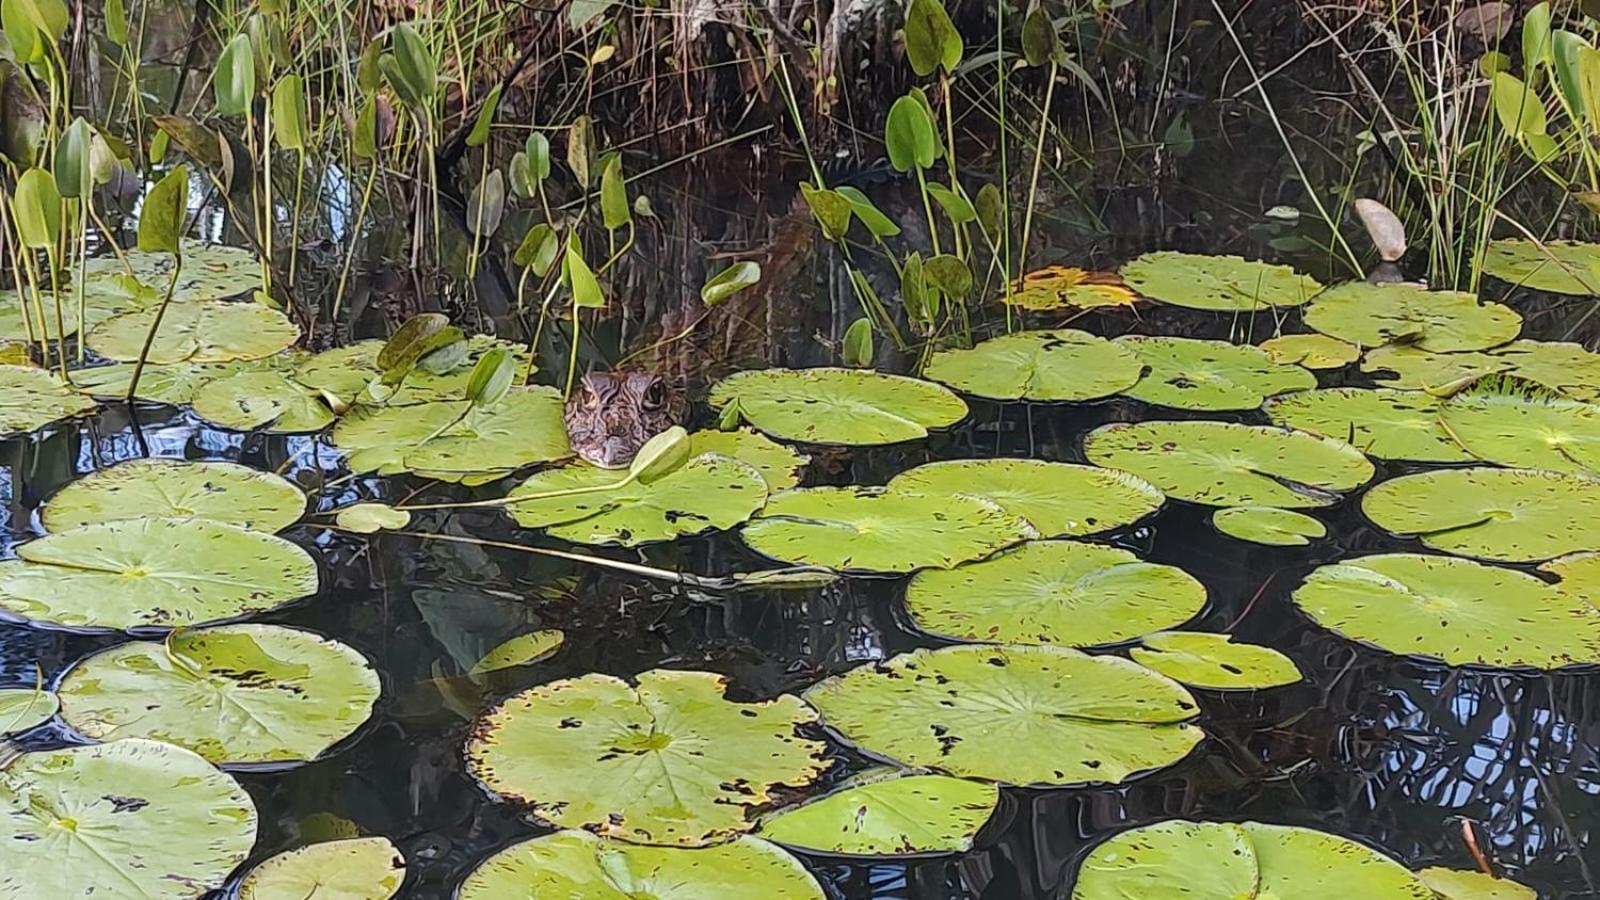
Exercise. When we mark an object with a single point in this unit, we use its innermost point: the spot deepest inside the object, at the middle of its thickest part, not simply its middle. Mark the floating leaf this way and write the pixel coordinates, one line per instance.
(24, 708)
(1017, 715)
(140, 488)
(572, 863)
(1223, 464)
(1056, 498)
(1455, 884)
(270, 401)
(1063, 365)
(666, 759)
(1069, 287)
(880, 530)
(210, 272)
(235, 694)
(1209, 375)
(1565, 368)
(888, 814)
(1509, 515)
(174, 385)
(450, 436)
(371, 518)
(838, 406)
(1269, 525)
(1457, 610)
(1382, 423)
(1054, 592)
(1514, 423)
(778, 464)
(32, 398)
(1440, 321)
(1560, 267)
(153, 818)
(212, 331)
(152, 572)
(1214, 661)
(1314, 351)
(522, 650)
(1217, 282)
(367, 868)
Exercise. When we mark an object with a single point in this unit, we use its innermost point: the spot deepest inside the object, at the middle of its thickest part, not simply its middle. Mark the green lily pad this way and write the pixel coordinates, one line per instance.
(709, 492)
(879, 529)
(1455, 884)
(1384, 423)
(219, 491)
(236, 694)
(25, 708)
(888, 815)
(1037, 365)
(1217, 282)
(669, 761)
(153, 820)
(1014, 714)
(577, 864)
(1223, 464)
(1511, 515)
(1056, 498)
(363, 868)
(152, 573)
(1560, 267)
(1222, 861)
(1565, 368)
(32, 398)
(523, 428)
(210, 272)
(345, 372)
(1054, 592)
(271, 401)
(1516, 423)
(1269, 525)
(1313, 351)
(1214, 661)
(1579, 575)
(1440, 321)
(838, 406)
(174, 385)
(102, 299)
(1209, 375)
(522, 650)
(1457, 610)
(213, 331)
(778, 464)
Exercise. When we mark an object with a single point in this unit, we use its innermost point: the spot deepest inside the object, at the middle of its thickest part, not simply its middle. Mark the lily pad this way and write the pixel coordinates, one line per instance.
(1560, 267)
(174, 385)
(838, 406)
(152, 573)
(1054, 592)
(1439, 321)
(1269, 525)
(32, 398)
(1214, 661)
(576, 864)
(209, 272)
(1223, 860)
(1313, 351)
(262, 400)
(23, 708)
(669, 761)
(523, 428)
(1510, 515)
(1038, 365)
(1209, 375)
(888, 815)
(155, 820)
(880, 529)
(219, 491)
(1384, 423)
(522, 650)
(709, 492)
(1014, 714)
(236, 694)
(1515, 423)
(363, 868)
(1217, 282)
(1456, 884)
(1223, 464)
(779, 465)
(1457, 610)
(213, 331)
(101, 301)
(1565, 368)
(1056, 498)
(1069, 287)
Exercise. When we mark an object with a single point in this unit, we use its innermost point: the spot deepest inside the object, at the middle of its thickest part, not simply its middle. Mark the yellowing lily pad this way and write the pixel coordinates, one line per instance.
(363, 868)
(1055, 498)
(1510, 515)
(1439, 321)
(1013, 714)
(1383, 423)
(213, 331)
(522, 650)
(1214, 661)
(32, 398)
(1455, 884)
(1269, 525)
(1313, 351)
(1217, 282)
(1209, 375)
(838, 406)
(1560, 267)
(888, 814)
(1054, 592)
(1069, 287)
(219, 491)
(1038, 365)
(665, 760)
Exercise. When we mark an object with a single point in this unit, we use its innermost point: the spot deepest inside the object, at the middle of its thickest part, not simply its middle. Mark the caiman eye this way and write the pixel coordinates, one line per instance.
(655, 395)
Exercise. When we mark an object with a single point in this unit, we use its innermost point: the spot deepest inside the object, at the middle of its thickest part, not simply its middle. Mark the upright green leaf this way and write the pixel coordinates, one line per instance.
(1566, 53)
(582, 12)
(730, 281)
(931, 38)
(1537, 46)
(162, 216)
(33, 26)
(949, 274)
(857, 348)
(909, 136)
(580, 278)
(234, 82)
(914, 290)
(492, 376)
(831, 209)
(365, 142)
(479, 135)
(990, 208)
(487, 204)
(538, 149)
(870, 215)
(36, 209)
(73, 168)
(580, 149)
(538, 249)
(369, 76)
(117, 22)
(1039, 40)
(614, 209)
(955, 205)
(415, 337)
(415, 62)
(290, 122)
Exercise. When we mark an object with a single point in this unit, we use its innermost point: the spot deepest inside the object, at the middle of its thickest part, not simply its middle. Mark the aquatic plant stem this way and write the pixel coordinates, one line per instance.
(150, 336)
(1038, 160)
(294, 223)
(355, 237)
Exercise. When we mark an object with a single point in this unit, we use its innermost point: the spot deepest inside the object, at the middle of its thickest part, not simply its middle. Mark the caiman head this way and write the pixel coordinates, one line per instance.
(611, 414)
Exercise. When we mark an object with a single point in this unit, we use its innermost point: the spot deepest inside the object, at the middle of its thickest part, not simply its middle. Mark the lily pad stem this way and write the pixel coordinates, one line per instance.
(150, 336)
